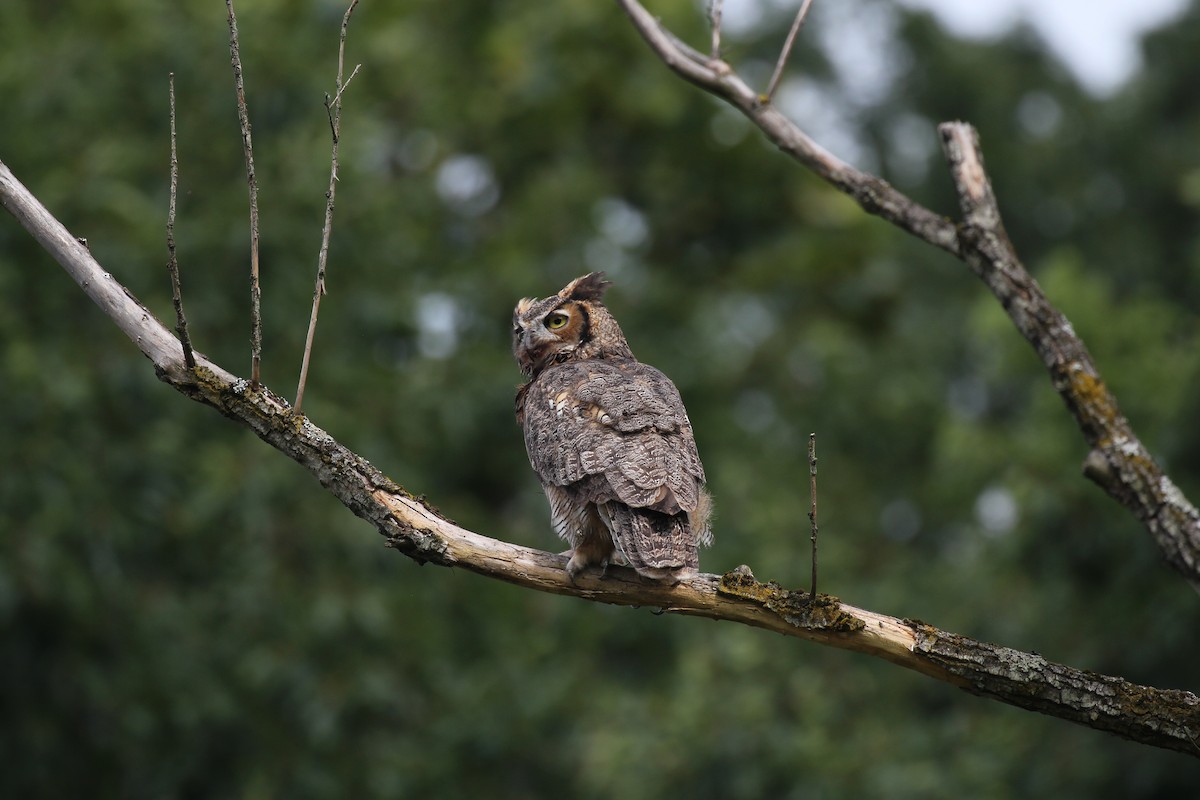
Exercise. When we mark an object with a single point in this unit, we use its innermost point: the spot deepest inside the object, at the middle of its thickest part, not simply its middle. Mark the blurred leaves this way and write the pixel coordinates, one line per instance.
(184, 613)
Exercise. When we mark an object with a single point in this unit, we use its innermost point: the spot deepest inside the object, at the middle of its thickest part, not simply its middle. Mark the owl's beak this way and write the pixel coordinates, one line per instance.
(533, 338)
(531, 350)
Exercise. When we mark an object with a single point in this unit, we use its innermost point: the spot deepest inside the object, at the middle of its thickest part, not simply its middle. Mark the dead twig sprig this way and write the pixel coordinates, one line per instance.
(786, 52)
(812, 510)
(333, 107)
(714, 15)
(172, 263)
(248, 146)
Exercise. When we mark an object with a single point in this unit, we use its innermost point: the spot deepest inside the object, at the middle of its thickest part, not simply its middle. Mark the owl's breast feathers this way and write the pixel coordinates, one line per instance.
(615, 429)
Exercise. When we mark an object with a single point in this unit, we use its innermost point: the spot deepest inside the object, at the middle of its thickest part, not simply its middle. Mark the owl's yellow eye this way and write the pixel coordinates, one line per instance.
(557, 320)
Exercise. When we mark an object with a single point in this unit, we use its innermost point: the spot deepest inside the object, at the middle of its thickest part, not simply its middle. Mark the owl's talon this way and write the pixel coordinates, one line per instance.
(572, 569)
(575, 565)
(578, 562)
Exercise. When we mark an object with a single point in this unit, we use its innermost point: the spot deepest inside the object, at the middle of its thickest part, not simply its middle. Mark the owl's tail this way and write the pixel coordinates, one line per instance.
(659, 546)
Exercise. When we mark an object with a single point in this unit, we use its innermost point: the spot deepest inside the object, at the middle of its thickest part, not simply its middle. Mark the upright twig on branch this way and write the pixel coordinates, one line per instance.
(172, 264)
(812, 510)
(333, 108)
(714, 16)
(786, 52)
(235, 58)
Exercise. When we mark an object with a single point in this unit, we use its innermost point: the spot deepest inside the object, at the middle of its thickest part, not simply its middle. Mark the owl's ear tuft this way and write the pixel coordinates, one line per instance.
(587, 287)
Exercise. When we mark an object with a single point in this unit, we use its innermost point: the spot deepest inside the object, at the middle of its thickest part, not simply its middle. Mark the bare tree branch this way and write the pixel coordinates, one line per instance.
(1119, 462)
(873, 194)
(135, 320)
(172, 263)
(334, 110)
(235, 58)
(1165, 718)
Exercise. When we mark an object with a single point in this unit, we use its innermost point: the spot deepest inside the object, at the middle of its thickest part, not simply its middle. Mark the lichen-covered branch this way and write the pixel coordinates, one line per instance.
(1118, 462)
(1160, 717)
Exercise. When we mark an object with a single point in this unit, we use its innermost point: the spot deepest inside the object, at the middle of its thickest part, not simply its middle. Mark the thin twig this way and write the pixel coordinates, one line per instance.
(244, 118)
(337, 98)
(172, 264)
(812, 510)
(334, 109)
(786, 52)
(715, 18)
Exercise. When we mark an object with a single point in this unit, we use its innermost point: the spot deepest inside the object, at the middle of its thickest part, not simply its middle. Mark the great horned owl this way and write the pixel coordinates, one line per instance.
(608, 437)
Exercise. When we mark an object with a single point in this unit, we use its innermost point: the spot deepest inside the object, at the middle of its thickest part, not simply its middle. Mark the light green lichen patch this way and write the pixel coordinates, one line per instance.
(824, 612)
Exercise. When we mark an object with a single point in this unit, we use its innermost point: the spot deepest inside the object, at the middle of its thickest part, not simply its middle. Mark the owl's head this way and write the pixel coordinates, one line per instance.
(573, 324)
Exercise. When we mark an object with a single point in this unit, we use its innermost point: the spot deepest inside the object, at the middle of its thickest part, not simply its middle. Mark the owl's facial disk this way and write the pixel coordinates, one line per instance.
(543, 329)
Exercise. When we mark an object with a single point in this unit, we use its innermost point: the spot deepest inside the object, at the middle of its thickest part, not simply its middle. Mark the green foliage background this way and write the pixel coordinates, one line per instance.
(183, 613)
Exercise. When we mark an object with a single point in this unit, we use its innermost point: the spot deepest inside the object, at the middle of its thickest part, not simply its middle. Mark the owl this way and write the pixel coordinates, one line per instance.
(608, 438)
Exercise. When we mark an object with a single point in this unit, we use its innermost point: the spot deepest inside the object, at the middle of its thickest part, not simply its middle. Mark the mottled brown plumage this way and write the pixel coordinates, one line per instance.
(608, 437)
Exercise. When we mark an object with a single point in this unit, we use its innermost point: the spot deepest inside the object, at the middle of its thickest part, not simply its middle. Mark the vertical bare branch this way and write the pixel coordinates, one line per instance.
(172, 264)
(244, 118)
(715, 16)
(786, 52)
(812, 510)
(334, 109)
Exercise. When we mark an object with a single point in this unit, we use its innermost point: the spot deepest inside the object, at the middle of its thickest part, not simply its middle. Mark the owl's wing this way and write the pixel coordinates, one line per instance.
(622, 420)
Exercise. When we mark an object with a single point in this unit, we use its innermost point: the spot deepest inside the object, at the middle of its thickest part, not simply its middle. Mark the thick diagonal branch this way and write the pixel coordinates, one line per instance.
(1166, 718)
(1119, 462)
